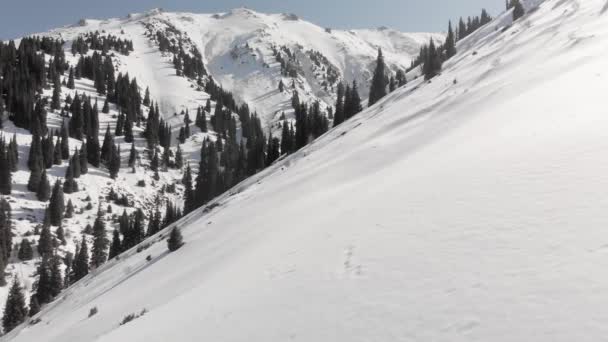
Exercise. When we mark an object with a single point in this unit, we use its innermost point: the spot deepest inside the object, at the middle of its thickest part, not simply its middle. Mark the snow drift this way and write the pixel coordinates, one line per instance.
(470, 208)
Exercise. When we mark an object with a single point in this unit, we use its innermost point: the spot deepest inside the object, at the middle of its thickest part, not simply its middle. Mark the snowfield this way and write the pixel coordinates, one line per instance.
(469, 208)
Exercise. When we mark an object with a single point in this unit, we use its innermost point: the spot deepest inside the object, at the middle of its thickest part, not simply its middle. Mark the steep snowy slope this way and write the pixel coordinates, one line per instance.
(239, 50)
(470, 208)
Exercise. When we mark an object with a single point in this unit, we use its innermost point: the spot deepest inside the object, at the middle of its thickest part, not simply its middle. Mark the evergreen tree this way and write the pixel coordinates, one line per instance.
(65, 142)
(56, 280)
(339, 113)
(116, 247)
(378, 87)
(189, 198)
(44, 290)
(15, 310)
(69, 210)
(45, 243)
(5, 170)
(84, 160)
(80, 266)
(146, 101)
(71, 79)
(132, 155)
(175, 240)
(450, 43)
(57, 157)
(114, 163)
(401, 79)
(34, 305)
(518, 9)
(70, 185)
(100, 242)
(25, 250)
(432, 63)
(43, 192)
(179, 159)
(60, 234)
(57, 204)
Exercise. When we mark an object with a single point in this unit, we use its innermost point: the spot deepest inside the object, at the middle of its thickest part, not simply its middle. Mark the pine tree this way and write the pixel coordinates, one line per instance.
(179, 159)
(44, 290)
(84, 160)
(56, 280)
(518, 9)
(132, 155)
(401, 79)
(100, 242)
(69, 210)
(25, 250)
(175, 240)
(339, 113)
(5, 171)
(378, 87)
(116, 247)
(57, 157)
(432, 63)
(44, 188)
(189, 199)
(70, 185)
(34, 305)
(57, 204)
(114, 163)
(45, 243)
(146, 101)
(106, 106)
(80, 266)
(450, 43)
(65, 142)
(71, 79)
(15, 310)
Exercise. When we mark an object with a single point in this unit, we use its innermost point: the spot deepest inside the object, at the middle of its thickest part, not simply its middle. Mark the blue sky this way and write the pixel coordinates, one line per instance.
(21, 17)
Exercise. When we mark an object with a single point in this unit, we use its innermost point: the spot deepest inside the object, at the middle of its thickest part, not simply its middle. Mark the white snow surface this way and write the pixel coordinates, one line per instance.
(470, 208)
(252, 72)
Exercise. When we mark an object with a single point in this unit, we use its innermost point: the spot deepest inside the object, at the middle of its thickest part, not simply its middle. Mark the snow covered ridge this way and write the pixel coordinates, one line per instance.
(472, 210)
(238, 49)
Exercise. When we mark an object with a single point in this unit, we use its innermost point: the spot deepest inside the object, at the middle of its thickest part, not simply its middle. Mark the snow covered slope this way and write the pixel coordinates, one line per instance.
(471, 208)
(239, 50)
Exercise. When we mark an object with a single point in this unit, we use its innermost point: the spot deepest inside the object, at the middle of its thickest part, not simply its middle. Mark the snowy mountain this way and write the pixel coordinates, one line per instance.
(468, 208)
(239, 48)
(246, 53)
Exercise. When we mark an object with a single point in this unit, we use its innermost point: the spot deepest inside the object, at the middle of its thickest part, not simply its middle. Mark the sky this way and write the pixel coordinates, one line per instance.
(22, 17)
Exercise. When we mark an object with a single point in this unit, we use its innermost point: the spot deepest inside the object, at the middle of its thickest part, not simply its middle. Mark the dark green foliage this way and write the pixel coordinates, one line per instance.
(44, 188)
(25, 250)
(450, 43)
(175, 240)
(116, 246)
(80, 265)
(45, 243)
(114, 162)
(518, 9)
(378, 87)
(132, 155)
(432, 63)
(5, 169)
(15, 310)
(69, 210)
(100, 242)
(57, 204)
(84, 161)
(34, 306)
(70, 185)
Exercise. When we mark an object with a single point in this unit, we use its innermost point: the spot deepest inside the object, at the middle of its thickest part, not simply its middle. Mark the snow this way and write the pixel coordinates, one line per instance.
(451, 211)
(254, 76)
(247, 77)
